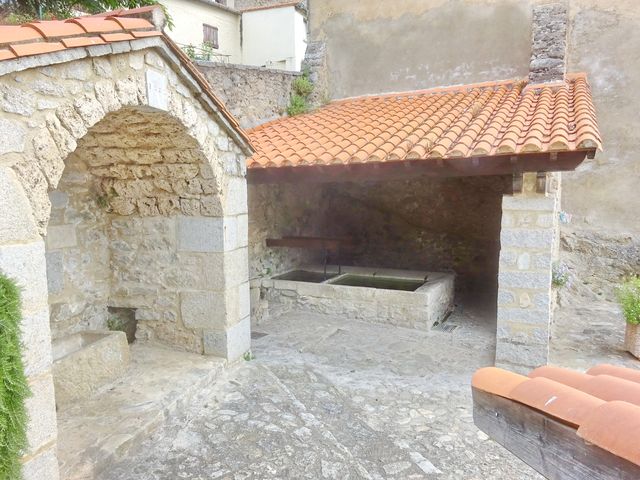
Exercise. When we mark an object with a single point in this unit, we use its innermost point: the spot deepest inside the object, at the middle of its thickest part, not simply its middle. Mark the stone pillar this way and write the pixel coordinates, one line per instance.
(315, 63)
(528, 244)
(22, 258)
(548, 42)
(220, 308)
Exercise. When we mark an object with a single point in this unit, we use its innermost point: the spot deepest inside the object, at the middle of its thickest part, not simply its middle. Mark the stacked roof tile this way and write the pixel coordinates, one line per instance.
(50, 36)
(603, 405)
(499, 118)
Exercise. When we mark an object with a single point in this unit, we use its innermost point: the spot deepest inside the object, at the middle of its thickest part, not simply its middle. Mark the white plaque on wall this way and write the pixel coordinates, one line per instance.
(157, 92)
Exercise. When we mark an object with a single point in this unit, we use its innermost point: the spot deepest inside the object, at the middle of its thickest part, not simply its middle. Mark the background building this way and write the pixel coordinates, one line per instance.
(271, 36)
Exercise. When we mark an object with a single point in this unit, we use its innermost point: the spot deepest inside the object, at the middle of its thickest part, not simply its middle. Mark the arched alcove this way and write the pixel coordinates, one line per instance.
(112, 239)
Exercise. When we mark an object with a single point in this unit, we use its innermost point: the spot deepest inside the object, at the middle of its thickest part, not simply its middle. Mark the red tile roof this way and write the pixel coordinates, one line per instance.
(487, 119)
(603, 408)
(40, 37)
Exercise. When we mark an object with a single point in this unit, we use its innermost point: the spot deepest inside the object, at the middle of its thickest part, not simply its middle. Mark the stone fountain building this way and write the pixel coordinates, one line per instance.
(122, 186)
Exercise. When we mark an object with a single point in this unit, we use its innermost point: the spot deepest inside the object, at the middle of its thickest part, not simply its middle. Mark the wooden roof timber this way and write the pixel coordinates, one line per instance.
(407, 169)
(547, 445)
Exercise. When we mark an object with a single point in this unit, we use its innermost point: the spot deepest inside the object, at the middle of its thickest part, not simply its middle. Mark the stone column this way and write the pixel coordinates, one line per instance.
(22, 259)
(548, 42)
(221, 307)
(528, 242)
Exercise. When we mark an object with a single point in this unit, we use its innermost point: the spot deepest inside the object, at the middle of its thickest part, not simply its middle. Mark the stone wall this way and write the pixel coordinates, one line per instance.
(276, 211)
(50, 105)
(375, 47)
(372, 48)
(434, 224)
(549, 42)
(254, 95)
(601, 244)
(78, 253)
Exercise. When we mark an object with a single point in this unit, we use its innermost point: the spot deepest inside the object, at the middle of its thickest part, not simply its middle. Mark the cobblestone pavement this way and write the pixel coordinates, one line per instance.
(335, 399)
(584, 336)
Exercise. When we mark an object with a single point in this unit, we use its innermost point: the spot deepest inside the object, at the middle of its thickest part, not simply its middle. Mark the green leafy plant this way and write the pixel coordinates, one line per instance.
(248, 356)
(13, 383)
(302, 89)
(628, 295)
(559, 275)
(297, 106)
(190, 50)
(302, 85)
(115, 324)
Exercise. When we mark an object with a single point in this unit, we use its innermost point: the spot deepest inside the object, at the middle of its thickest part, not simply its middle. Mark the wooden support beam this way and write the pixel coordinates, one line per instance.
(407, 169)
(312, 243)
(550, 447)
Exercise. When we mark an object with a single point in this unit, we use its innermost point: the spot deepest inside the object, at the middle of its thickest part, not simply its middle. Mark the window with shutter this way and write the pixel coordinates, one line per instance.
(210, 35)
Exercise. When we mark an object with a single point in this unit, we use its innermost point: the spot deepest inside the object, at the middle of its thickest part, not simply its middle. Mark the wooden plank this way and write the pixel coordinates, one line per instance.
(311, 243)
(546, 445)
(407, 169)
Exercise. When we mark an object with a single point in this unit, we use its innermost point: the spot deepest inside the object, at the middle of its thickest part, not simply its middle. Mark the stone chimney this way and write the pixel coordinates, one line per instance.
(548, 42)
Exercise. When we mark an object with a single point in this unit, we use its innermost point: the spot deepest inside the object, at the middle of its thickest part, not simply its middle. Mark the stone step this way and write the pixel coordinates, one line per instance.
(94, 433)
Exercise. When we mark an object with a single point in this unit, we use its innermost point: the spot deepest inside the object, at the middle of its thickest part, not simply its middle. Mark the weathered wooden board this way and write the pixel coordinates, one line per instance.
(408, 169)
(550, 447)
(318, 243)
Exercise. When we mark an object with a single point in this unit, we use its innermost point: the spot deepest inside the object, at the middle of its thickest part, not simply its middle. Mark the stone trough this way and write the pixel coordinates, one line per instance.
(405, 298)
(85, 361)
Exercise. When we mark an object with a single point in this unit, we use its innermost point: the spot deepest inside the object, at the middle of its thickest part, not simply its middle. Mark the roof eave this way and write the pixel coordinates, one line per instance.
(405, 169)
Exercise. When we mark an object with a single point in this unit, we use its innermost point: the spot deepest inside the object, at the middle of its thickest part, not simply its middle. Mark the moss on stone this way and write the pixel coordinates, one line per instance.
(13, 384)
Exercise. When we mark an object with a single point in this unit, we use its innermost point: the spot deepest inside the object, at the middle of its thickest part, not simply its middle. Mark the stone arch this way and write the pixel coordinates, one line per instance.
(53, 109)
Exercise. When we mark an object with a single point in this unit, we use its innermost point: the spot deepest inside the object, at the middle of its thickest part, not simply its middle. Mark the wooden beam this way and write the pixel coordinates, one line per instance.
(452, 167)
(550, 447)
(312, 243)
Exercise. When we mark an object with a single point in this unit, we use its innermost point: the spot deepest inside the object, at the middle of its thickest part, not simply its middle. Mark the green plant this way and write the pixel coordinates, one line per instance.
(115, 324)
(302, 86)
(248, 356)
(13, 384)
(559, 274)
(302, 89)
(628, 295)
(297, 106)
(190, 50)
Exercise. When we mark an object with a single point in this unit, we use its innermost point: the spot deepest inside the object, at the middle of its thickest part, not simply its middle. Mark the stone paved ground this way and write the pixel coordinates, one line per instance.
(335, 399)
(584, 336)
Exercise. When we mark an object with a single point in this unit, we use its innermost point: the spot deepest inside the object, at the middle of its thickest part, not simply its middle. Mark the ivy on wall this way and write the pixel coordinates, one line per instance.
(13, 383)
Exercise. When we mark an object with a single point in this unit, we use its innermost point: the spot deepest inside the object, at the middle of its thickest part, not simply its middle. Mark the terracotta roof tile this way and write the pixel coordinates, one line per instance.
(97, 24)
(18, 33)
(37, 48)
(616, 371)
(556, 399)
(42, 37)
(82, 41)
(615, 427)
(465, 121)
(603, 404)
(496, 380)
(562, 375)
(116, 37)
(56, 28)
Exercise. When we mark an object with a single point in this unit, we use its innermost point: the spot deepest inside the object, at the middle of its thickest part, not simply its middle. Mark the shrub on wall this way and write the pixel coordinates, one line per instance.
(302, 89)
(13, 384)
(629, 297)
